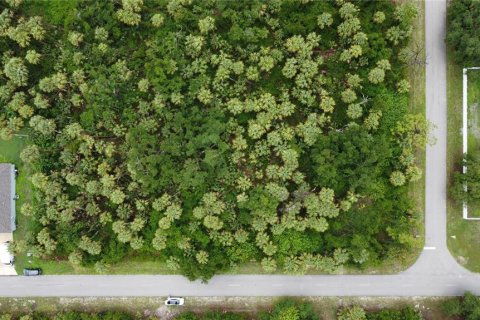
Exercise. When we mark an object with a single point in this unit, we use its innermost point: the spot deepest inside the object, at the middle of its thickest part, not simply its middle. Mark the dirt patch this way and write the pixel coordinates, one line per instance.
(462, 260)
(167, 313)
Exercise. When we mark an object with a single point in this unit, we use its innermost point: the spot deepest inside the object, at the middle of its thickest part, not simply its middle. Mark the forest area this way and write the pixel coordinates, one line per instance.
(210, 134)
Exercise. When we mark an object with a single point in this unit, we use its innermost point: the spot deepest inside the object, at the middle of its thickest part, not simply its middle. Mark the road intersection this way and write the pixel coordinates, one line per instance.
(435, 273)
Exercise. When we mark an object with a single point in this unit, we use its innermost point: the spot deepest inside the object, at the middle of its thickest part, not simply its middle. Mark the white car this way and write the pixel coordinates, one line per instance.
(5, 256)
(174, 301)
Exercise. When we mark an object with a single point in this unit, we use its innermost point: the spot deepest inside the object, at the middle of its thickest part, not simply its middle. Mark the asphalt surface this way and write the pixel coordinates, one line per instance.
(434, 274)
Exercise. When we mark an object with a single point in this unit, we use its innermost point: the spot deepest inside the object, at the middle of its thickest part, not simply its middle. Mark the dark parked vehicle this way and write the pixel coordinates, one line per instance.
(32, 272)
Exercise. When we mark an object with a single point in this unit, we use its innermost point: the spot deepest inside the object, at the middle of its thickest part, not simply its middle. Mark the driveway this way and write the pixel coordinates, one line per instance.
(4, 269)
(7, 270)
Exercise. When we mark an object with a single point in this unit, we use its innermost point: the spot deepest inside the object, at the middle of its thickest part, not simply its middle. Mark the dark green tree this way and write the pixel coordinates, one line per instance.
(463, 31)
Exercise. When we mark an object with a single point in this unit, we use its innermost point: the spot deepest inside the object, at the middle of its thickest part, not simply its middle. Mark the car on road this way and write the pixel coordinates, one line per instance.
(174, 301)
(32, 272)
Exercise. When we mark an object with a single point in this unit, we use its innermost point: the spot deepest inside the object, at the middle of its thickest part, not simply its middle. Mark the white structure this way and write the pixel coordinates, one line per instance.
(465, 131)
(7, 217)
(7, 198)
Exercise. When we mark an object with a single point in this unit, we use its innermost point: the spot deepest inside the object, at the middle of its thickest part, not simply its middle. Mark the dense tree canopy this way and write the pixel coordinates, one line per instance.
(464, 31)
(208, 134)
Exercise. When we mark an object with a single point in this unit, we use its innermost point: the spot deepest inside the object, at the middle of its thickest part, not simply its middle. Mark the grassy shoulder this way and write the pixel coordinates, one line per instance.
(417, 106)
(325, 307)
(462, 235)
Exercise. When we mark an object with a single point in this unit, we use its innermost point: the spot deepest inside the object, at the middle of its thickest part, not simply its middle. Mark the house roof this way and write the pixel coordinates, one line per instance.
(7, 194)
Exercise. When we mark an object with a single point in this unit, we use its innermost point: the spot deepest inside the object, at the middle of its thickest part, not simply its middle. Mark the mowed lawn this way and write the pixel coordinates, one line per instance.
(463, 235)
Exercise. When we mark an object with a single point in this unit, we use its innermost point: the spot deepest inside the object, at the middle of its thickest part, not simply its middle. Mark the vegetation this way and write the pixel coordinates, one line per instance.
(463, 31)
(274, 132)
(462, 18)
(325, 308)
(462, 234)
(470, 179)
(467, 307)
(287, 309)
(358, 313)
(73, 315)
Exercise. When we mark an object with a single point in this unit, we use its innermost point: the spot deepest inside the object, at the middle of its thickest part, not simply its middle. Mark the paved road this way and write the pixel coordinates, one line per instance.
(434, 274)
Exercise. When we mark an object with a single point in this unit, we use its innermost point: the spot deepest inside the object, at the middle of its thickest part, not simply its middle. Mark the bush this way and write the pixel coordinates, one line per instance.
(407, 313)
(471, 179)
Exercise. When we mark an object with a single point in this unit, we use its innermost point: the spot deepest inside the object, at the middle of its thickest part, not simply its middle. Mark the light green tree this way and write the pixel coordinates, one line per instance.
(206, 25)
(101, 34)
(403, 86)
(348, 95)
(379, 17)
(269, 264)
(16, 71)
(30, 154)
(143, 85)
(354, 111)
(376, 75)
(33, 56)
(157, 20)
(91, 246)
(75, 38)
(397, 178)
(352, 313)
(194, 44)
(42, 125)
(202, 257)
(325, 20)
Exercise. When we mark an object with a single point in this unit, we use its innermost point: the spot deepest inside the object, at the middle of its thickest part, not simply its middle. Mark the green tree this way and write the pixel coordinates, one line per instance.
(470, 180)
(376, 75)
(90, 246)
(157, 20)
(16, 71)
(42, 125)
(452, 307)
(30, 154)
(324, 20)
(75, 38)
(379, 17)
(352, 313)
(33, 56)
(289, 309)
(470, 306)
(463, 22)
(397, 178)
(206, 24)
